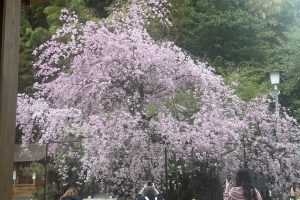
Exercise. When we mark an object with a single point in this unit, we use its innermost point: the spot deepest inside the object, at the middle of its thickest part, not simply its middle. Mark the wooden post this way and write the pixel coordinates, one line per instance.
(9, 51)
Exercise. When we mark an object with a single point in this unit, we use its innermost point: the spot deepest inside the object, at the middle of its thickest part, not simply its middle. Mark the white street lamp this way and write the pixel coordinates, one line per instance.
(33, 176)
(14, 178)
(275, 80)
(14, 175)
(33, 179)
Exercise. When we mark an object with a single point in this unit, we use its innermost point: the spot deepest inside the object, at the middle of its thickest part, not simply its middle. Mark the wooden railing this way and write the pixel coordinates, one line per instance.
(23, 189)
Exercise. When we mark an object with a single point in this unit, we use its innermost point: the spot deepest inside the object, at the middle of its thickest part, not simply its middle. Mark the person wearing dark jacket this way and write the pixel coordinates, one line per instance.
(149, 192)
(71, 194)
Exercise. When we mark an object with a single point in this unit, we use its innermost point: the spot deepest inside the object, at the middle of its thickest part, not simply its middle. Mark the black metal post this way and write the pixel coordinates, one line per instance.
(46, 161)
(191, 172)
(46, 171)
(177, 184)
(166, 173)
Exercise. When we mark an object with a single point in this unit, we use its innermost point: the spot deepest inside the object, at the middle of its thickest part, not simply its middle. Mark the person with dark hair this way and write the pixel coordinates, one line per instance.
(149, 192)
(71, 194)
(243, 189)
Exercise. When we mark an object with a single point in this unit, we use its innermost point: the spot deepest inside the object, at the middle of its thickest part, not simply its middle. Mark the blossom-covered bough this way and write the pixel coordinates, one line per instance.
(109, 85)
(271, 144)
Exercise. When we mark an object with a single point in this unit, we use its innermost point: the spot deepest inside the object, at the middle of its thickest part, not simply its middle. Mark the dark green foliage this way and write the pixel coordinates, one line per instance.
(37, 17)
(36, 168)
(33, 32)
(287, 59)
(228, 32)
(249, 82)
(38, 36)
(78, 6)
(214, 29)
(38, 193)
(243, 40)
(200, 181)
(37, 25)
(100, 7)
(26, 47)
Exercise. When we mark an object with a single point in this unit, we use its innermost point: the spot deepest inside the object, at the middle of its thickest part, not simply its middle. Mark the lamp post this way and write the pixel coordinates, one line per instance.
(33, 180)
(275, 80)
(14, 179)
(166, 172)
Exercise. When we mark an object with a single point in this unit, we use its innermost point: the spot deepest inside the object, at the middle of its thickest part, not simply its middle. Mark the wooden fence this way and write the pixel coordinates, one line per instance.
(23, 189)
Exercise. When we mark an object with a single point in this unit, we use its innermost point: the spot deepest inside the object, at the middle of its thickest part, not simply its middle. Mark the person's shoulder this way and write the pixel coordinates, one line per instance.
(76, 198)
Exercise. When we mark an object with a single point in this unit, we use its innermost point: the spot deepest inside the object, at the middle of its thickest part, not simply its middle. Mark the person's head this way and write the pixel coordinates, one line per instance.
(149, 183)
(72, 191)
(243, 179)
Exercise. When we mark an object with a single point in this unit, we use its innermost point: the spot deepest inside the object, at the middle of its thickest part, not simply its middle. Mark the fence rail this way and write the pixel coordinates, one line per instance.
(23, 189)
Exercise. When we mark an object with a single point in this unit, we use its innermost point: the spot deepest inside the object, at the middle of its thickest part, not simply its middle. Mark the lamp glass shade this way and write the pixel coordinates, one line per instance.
(33, 176)
(14, 175)
(274, 76)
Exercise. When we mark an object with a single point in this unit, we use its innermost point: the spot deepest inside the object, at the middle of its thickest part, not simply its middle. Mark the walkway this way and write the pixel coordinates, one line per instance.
(101, 197)
(96, 197)
(22, 198)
